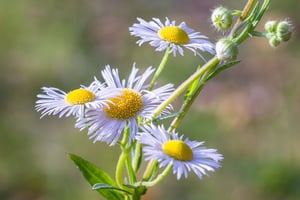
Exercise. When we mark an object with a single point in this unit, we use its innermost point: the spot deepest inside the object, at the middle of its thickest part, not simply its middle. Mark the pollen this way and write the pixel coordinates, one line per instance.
(178, 150)
(174, 34)
(125, 106)
(80, 96)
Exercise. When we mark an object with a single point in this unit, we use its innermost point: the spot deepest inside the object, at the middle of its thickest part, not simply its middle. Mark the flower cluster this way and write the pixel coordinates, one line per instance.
(135, 101)
(126, 111)
(106, 108)
(278, 32)
(109, 109)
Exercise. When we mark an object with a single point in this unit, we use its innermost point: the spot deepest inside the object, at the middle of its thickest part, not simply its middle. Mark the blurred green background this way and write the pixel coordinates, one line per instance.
(250, 113)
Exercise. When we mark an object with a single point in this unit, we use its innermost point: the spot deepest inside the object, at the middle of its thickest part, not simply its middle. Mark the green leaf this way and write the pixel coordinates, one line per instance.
(262, 11)
(160, 118)
(102, 186)
(192, 88)
(222, 68)
(95, 175)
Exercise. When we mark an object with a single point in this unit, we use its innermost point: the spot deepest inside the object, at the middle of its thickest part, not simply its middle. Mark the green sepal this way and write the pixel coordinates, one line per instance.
(95, 175)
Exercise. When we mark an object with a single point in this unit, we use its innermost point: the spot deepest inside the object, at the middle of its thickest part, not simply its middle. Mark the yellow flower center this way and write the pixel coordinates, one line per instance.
(178, 150)
(80, 96)
(125, 106)
(174, 34)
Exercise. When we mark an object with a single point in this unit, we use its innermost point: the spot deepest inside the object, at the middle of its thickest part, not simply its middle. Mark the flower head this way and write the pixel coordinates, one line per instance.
(221, 18)
(58, 102)
(270, 26)
(124, 111)
(284, 31)
(168, 34)
(226, 50)
(184, 155)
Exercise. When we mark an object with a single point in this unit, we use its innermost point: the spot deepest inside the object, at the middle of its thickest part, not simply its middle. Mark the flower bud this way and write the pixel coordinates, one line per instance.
(226, 50)
(221, 18)
(284, 31)
(271, 26)
(274, 42)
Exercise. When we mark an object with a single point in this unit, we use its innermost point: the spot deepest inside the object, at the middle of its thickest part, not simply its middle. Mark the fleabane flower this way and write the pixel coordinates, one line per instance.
(135, 102)
(57, 102)
(168, 34)
(183, 154)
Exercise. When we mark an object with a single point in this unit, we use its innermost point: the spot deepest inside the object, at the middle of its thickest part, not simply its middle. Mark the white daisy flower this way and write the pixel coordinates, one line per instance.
(168, 34)
(58, 102)
(184, 155)
(107, 123)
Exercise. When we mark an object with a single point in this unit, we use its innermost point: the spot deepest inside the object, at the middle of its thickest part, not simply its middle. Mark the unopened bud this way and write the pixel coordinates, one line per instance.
(226, 50)
(271, 26)
(284, 31)
(274, 42)
(221, 18)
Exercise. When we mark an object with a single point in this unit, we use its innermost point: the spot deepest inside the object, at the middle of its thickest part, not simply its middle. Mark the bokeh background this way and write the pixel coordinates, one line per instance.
(250, 113)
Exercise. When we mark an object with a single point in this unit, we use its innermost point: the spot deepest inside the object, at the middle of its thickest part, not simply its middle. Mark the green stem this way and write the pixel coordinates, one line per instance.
(160, 68)
(128, 161)
(244, 35)
(185, 107)
(131, 174)
(149, 170)
(122, 158)
(207, 67)
(125, 137)
(119, 169)
(258, 34)
(244, 14)
(251, 25)
(137, 156)
(159, 178)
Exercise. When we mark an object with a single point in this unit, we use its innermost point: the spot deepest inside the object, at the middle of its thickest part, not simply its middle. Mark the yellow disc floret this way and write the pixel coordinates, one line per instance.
(125, 106)
(178, 150)
(174, 34)
(80, 96)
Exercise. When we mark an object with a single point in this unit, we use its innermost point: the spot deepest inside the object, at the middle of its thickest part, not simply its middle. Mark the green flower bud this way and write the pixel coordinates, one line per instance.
(284, 31)
(221, 18)
(274, 42)
(226, 50)
(271, 26)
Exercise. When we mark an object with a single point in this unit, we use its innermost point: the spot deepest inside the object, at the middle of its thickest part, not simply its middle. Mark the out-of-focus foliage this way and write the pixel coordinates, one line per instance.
(250, 113)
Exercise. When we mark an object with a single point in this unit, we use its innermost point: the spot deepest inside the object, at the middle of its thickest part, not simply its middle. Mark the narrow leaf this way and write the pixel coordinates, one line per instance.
(95, 175)
(222, 68)
(192, 88)
(101, 186)
(164, 117)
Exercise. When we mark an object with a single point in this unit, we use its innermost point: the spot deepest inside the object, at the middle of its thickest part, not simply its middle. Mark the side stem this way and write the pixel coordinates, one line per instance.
(160, 68)
(210, 64)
